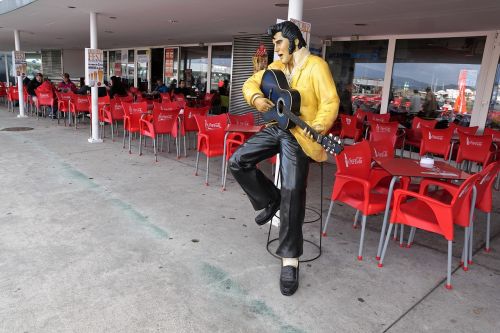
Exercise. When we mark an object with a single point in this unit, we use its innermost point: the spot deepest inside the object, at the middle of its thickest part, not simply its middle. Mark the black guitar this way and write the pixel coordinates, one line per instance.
(286, 109)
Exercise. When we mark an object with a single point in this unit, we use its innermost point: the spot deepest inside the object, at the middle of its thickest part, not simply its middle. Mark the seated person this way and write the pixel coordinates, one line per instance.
(182, 89)
(160, 87)
(85, 90)
(35, 83)
(66, 85)
(117, 87)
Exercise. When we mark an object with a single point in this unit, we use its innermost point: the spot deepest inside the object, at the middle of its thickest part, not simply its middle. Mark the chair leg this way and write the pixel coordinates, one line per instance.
(130, 142)
(206, 175)
(197, 161)
(487, 248)
(124, 135)
(355, 224)
(361, 241)
(185, 152)
(465, 251)
(411, 237)
(112, 133)
(224, 176)
(395, 236)
(448, 273)
(386, 242)
(168, 143)
(401, 235)
(471, 242)
(327, 219)
(140, 145)
(154, 150)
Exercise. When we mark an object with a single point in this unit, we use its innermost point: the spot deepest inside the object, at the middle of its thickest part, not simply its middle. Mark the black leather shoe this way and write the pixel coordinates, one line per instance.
(289, 280)
(268, 212)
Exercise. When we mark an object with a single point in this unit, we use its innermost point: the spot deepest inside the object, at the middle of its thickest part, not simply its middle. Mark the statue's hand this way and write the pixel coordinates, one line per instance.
(318, 128)
(263, 104)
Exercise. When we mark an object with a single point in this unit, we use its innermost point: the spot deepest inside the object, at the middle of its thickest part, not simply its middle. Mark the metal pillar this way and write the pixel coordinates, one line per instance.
(19, 78)
(93, 90)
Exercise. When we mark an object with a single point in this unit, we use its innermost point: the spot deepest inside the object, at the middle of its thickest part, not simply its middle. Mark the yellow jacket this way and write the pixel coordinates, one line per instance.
(318, 95)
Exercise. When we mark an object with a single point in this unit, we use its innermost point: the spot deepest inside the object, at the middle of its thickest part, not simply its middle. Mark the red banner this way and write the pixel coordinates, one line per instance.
(169, 62)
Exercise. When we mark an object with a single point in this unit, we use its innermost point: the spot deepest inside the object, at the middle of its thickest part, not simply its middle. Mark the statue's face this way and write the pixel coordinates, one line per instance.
(281, 45)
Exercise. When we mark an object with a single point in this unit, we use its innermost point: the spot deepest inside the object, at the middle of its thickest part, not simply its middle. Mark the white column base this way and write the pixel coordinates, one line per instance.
(92, 140)
(22, 116)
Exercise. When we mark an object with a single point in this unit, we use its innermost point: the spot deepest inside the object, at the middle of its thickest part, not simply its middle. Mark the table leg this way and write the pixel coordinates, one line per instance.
(386, 215)
(451, 151)
(224, 159)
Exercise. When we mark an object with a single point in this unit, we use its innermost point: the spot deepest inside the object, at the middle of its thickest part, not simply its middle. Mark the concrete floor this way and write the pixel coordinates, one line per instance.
(96, 240)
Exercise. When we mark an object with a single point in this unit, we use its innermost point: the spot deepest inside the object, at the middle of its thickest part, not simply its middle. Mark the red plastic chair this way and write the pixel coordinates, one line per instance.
(132, 114)
(474, 148)
(361, 116)
(208, 99)
(187, 123)
(44, 99)
(12, 97)
(350, 128)
(126, 99)
(164, 120)
(432, 215)
(63, 103)
(79, 104)
(103, 103)
(436, 141)
(414, 135)
(355, 185)
(146, 128)
(495, 149)
(382, 145)
(210, 138)
(376, 128)
(381, 118)
(111, 114)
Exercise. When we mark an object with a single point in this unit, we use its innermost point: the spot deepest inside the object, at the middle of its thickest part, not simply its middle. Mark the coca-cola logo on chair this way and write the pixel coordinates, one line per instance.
(355, 160)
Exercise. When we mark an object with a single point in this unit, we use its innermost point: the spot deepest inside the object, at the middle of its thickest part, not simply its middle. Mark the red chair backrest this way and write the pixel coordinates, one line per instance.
(467, 130)
(383, 148)
(44, 97)
(133, 112)
(79, 103)
(164, 120)
(165, 97)
(349, 127)
(461, 202)
(166, 106)
(381, 118)
(189, 122)
(355, 160)
(418, 123)
(484, 185)
(381, 130)
(360, 115)
(474, 148)
(244, 119)
(208, 99)
(213, 126)
(436, 141)
(116, 109)
(495, 134)
(178, 97)
(127, 99)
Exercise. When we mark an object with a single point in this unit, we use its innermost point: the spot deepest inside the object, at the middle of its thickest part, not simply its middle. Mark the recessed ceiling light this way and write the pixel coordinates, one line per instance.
(113, 17)
(360, 24)
(108, 31)
(72, 7)
(173, 21)
(281, 4)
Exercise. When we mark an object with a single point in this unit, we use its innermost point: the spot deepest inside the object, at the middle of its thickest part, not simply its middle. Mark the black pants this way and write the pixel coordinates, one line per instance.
(261, 190)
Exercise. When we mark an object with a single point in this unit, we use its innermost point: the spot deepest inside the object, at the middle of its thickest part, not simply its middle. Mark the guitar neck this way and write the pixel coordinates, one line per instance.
(302, 124)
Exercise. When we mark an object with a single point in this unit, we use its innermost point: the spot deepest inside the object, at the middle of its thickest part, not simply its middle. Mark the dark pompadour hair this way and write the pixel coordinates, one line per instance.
(289, 31)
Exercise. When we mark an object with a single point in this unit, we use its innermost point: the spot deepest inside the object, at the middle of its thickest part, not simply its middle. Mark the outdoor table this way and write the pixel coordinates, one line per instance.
(403, 167)
(233, 128)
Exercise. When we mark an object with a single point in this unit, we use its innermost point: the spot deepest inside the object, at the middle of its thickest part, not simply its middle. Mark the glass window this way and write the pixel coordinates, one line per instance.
(493, 119)
(436, 77)
(194, 65)
(3, 70)
(105, 65)
(33, 64)
(358, 68)
(221, 68)
(142, 69)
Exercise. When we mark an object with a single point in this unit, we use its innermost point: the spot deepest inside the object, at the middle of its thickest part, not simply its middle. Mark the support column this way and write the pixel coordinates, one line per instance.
(295, 9)
(93, 90)
(19, 78)
(384, 108)
(7, 76)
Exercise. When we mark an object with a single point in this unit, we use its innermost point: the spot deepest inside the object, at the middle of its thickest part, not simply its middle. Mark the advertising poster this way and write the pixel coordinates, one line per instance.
(169, 62)
(94, 67)
(19, 62)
